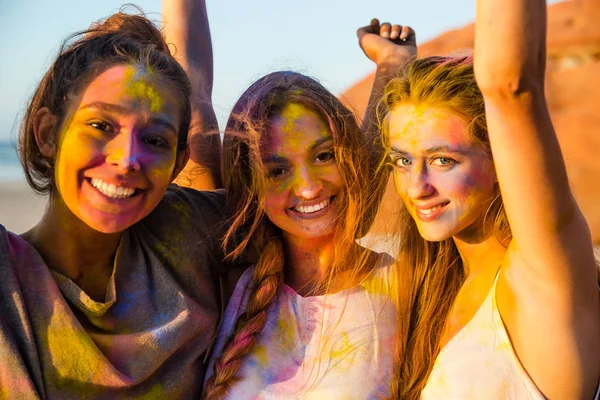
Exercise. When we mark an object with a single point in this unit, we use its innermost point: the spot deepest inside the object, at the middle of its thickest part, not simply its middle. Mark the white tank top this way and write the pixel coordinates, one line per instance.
(479, 362)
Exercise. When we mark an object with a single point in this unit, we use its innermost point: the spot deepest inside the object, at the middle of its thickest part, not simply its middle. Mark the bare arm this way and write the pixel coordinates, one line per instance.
(550, 260)
(391, 48)
(186, 27)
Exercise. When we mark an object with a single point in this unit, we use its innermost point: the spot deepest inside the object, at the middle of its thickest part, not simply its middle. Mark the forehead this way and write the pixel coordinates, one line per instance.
(134, 87)
(414, 127)
(295, 129)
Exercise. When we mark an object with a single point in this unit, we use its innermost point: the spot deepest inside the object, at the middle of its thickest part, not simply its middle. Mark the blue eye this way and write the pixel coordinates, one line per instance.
(443, 161)
(401, 162)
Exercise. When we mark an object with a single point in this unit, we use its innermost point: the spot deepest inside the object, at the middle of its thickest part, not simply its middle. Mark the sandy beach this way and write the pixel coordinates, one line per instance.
(20, 207)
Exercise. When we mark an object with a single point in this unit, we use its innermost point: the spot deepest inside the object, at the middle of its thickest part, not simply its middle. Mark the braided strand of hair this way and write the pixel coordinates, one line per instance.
(268, 274)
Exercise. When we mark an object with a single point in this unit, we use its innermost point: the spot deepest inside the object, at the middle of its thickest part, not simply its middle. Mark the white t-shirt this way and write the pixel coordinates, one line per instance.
(335, 346)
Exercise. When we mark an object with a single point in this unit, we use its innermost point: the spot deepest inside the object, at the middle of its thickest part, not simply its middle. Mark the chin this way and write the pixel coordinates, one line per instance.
(434, 235)
(109, 225)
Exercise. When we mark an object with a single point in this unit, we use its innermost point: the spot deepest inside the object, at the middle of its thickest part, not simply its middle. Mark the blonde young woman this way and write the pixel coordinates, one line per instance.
(313, 317)
(500, 291)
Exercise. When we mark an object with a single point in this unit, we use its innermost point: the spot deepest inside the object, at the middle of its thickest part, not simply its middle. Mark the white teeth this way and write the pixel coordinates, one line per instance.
(429, 210)
(111, 190)
(312, 209)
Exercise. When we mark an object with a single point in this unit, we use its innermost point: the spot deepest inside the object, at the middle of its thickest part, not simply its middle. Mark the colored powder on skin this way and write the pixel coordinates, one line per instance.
(140, 88)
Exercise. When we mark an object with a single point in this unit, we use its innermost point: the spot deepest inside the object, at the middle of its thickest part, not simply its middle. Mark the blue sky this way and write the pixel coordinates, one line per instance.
(250, 39)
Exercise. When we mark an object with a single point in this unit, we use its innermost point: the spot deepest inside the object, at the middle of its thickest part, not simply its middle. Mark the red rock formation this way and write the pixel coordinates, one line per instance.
(572, 88)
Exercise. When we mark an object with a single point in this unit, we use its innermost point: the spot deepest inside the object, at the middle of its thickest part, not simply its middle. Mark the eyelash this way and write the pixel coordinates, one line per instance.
(161, 140)
(104, 126)
(396, 162)
(275, 176)
(450, 161)
(95, 125)
(330, 153)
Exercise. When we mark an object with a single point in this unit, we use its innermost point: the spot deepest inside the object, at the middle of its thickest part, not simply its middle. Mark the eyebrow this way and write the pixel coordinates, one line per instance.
(277, 159)
(437, 149)
(319, 142)
(118, 109)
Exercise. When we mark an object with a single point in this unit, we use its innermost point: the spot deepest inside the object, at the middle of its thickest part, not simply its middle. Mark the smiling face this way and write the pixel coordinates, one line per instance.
(298, 154)
(118, 149)
(444, 178)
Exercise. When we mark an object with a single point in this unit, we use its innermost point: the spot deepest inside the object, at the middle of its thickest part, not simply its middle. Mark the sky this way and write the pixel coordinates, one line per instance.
(250, 38)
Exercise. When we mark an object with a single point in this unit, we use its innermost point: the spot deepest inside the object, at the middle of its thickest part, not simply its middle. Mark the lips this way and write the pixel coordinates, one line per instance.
(313, 208)
(113, 191)
(310, 211)
(430, 213)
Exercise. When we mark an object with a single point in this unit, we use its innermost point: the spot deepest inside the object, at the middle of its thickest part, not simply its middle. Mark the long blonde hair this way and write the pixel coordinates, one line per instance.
(246, 182)
(431, 273)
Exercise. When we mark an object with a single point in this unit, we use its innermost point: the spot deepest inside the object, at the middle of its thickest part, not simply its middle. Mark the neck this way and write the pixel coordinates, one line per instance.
(307, 262)
(73, 249)
(479, 253)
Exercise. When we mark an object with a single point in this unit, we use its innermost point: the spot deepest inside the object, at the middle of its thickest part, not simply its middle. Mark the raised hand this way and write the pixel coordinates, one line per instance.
(386, 43)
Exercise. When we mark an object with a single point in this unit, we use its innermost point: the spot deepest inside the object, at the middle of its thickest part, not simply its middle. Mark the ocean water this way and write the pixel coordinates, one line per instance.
(10, 166)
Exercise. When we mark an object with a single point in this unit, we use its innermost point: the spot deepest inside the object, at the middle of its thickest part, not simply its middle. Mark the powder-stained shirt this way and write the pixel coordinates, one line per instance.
(147, 340)
(335, 346)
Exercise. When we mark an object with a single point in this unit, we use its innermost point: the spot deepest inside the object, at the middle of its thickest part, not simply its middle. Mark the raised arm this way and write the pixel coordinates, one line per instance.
(548, 293)
(391, 48)
(186, 27)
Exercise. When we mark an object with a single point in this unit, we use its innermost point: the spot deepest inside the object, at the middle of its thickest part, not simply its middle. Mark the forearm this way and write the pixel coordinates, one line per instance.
(510, 45)
(509, 65)
(371, 123)
(186, 28)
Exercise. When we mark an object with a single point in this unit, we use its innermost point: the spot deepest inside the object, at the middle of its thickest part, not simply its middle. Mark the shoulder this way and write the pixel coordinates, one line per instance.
(192, 202)
(186, 211)
(383, 279)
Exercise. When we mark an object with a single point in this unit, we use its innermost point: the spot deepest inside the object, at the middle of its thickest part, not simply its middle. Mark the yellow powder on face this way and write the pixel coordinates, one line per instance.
(406, 119)
(139, 87)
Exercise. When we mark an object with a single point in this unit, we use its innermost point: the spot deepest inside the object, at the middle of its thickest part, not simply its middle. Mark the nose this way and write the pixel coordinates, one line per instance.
(419, 185)
(124, 151)
(306, 185)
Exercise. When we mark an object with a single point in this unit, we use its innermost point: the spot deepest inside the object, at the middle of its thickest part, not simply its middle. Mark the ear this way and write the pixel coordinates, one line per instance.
(44, 129)
(182, 160)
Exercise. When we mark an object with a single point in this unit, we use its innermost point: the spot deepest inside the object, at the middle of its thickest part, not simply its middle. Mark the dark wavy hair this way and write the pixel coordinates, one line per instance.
(119, 39)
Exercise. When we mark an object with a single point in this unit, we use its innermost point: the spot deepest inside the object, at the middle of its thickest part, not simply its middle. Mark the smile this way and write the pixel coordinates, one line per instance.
(111, 190)
(429, 214)
(312, 209)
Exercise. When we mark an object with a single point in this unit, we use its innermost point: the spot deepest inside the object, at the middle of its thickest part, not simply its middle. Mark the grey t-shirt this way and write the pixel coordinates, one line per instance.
(147, 339)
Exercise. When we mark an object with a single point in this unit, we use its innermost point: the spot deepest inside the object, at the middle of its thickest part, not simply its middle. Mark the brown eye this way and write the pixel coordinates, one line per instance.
(101, 126)
(325, 156)
(155, 140)
(276, 172)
